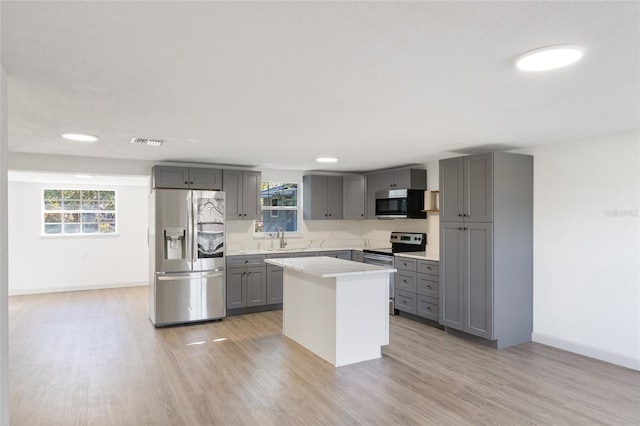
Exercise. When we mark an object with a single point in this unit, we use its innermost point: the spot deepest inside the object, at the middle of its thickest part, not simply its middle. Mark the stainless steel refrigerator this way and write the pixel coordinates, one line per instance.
(186, 249)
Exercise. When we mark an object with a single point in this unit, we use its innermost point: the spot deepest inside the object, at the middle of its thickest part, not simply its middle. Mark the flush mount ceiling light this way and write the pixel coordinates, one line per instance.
(148, 142)
(79, 137)
(550, 57)
(327, 160)
(83, 176)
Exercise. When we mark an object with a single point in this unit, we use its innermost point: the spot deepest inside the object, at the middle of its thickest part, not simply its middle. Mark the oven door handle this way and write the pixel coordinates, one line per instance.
(379, 258)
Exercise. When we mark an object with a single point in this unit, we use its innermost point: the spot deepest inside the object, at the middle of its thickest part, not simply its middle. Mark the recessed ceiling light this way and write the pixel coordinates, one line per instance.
(326, 160)
(79, 137)
(83, 176)
(550, 57)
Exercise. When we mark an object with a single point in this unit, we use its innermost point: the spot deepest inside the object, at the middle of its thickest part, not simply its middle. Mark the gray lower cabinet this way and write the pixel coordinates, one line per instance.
(339, 254)
(246, 287)
(467, 277)
(305, 254)
(242, 192)
(254, 286)
(274, 284)
(187, 178)
(246, 281)
(353, 200)
(416, 287)
(486, 246)
(322, 197)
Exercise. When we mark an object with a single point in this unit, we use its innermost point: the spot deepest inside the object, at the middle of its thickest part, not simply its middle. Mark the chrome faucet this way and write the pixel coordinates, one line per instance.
(283, 242)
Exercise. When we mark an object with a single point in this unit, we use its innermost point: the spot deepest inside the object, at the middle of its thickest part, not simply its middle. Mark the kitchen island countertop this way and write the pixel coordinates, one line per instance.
(328, 267)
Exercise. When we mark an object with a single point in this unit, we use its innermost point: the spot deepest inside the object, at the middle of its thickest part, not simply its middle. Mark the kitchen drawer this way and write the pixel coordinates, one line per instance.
(339, 254)
(405, 281)
(429, 267)
(427, 307)
(306, 254)
(405, 263)
(279, 256)
(427, 285)
(405, 301)
(242, 261)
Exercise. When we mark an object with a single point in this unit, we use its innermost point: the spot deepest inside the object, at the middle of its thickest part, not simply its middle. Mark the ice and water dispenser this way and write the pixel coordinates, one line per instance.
(174, 243)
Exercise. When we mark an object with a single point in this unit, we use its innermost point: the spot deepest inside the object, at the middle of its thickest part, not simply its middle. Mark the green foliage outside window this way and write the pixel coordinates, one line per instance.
(77, 211)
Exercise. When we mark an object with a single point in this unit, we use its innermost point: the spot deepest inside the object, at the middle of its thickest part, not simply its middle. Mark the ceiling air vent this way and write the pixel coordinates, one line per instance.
(145, 141)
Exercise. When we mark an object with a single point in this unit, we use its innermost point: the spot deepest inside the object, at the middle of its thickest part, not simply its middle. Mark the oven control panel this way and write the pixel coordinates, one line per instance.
(413, 238)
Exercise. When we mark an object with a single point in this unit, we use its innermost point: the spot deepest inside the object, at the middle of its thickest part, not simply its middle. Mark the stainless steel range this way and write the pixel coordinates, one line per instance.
(401, 242)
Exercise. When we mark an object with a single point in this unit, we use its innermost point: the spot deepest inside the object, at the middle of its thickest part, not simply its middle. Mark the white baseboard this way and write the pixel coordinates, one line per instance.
(590, 351)
(25, 291)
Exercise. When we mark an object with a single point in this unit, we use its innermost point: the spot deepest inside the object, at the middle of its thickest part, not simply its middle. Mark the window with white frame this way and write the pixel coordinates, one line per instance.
(280, 209)
(78, 212)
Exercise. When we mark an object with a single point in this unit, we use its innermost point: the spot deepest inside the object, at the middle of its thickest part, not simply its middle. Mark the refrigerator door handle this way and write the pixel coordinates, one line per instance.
(192, 228)
(180, 277)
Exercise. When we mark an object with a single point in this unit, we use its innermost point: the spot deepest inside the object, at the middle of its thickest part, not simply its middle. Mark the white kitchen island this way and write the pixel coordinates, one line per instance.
(336, 308)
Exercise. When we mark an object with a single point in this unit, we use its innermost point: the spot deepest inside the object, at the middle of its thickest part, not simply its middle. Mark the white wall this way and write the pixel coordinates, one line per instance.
(586, 247)
(4, 300)
(48, 264)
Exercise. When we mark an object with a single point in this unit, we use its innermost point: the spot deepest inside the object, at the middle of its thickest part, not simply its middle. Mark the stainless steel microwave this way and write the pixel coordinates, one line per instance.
(400, 204)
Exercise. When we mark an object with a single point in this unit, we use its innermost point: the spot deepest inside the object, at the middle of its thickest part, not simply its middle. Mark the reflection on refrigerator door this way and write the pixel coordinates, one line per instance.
(184, 298)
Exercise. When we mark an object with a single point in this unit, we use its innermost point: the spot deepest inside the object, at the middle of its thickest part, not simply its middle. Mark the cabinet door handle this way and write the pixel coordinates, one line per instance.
(459, 214)
(191, 183)
(240, 214)
(186, 183)
(429, 287)
(244, 214)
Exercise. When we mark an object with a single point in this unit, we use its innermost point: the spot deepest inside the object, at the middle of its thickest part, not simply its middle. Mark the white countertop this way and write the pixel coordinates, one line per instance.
(328, 267)
(287, 250)
(421, 255)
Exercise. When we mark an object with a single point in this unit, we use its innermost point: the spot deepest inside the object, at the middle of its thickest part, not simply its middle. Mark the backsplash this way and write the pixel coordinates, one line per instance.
(336, 233)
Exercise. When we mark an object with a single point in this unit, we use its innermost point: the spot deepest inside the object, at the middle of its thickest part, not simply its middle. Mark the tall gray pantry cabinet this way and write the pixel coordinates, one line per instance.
(486, 246)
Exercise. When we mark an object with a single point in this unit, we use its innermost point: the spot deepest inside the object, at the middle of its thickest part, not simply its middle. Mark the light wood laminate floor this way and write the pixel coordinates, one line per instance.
(92, 357)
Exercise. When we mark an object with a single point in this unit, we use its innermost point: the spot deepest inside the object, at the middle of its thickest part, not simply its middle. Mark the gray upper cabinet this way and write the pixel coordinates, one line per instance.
(372, 188)
(486, 246)
(402, 179)
(187, 178)
(466, 188)
(242, 189)
(322, 197)
(353, 201)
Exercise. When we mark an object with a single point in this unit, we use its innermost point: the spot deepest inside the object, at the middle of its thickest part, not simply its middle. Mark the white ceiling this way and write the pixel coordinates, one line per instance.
(276, 84)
